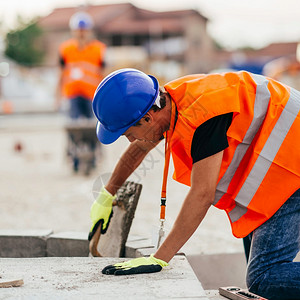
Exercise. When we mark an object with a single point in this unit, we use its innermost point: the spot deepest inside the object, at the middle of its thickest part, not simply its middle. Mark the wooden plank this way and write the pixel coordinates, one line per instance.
(7, 283)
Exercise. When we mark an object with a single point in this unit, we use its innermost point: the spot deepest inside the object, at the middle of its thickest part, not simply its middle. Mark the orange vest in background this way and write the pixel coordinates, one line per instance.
(82, 70)
(260, 169)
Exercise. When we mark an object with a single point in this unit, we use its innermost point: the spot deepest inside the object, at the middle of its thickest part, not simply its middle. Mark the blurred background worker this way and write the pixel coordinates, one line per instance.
(82, 67)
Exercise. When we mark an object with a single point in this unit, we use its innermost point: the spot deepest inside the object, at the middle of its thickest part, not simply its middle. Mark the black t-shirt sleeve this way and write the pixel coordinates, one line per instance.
(210, 137)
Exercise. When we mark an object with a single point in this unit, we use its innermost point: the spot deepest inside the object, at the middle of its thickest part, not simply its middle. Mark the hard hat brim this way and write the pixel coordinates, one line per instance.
(107, 137)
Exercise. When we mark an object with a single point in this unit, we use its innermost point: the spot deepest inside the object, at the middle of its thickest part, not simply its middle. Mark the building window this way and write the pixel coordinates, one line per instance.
(116, 40)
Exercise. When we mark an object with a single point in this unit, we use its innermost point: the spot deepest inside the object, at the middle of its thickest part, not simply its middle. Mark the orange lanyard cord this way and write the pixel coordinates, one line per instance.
(167, 162)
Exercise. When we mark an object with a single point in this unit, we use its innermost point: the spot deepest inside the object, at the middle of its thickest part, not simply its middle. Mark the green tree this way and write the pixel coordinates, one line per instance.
(22, 44)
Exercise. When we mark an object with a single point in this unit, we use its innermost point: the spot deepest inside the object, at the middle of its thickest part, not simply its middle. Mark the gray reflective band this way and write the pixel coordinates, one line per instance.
(262, 99)
(266, 156)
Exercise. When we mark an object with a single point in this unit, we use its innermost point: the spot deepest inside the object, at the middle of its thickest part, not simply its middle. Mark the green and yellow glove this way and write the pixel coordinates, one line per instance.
(101, 212)
(136, 266)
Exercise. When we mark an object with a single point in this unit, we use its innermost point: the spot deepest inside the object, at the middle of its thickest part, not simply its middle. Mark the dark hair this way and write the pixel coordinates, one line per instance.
(154, 107)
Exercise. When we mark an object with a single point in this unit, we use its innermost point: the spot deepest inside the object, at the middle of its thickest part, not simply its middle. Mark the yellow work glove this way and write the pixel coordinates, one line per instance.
(136, 266)
(101, 211)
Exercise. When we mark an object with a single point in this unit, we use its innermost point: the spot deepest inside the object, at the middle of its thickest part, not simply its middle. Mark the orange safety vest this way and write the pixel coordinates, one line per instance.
(81, 73)
(260, 169)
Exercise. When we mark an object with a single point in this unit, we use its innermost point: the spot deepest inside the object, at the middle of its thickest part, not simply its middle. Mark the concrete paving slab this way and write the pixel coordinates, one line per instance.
(214, 295)
(138, 247)
(81, 278)
(23, 243)
(112, 244)
(213, 271)
(68, 243)
(144, 251)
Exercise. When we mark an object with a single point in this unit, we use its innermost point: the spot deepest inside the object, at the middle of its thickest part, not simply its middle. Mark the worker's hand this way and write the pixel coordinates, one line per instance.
(136, 266)
(101, 212)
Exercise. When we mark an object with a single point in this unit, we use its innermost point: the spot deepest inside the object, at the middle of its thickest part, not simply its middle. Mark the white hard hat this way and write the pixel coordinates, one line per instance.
(81, 20)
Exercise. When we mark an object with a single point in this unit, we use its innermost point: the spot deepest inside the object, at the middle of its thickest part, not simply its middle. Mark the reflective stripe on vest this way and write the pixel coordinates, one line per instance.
(268, 153)
(84, 65)
(260, 108)
(89, 73)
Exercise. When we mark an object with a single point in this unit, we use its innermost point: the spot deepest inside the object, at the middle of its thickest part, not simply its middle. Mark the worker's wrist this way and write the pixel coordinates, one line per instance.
(105, 198)
(160, 262)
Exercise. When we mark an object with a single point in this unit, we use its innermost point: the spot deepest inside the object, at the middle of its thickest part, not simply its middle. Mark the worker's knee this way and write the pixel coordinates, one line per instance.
(259, 285)
(256, 277)
(277, 282)
(252, 281)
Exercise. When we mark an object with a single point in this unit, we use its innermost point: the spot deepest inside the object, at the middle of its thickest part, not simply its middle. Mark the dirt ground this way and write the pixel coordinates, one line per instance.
(38, 189)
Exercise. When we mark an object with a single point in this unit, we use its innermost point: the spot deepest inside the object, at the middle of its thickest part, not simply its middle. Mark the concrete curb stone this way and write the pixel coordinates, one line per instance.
(23, 243)
(42, 243)
(68, 244)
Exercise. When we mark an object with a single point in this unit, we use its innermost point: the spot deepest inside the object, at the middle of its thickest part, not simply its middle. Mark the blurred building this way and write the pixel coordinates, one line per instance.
(280, 61)
(168, 44)
(254, 60)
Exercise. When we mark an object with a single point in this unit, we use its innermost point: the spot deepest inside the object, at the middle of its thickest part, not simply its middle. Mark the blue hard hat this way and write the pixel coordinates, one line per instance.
(81, 20)
(121, 99)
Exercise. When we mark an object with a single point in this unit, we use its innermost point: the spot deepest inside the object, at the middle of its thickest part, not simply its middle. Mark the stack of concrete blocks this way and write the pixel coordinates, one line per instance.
(45, 243)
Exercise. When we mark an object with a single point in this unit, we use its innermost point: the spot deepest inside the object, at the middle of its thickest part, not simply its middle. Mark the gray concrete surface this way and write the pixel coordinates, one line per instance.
(216, 270)
(41, 243)
(138, 246)
(81, 278)
(67, 244)
(23, 243)
(75, 244)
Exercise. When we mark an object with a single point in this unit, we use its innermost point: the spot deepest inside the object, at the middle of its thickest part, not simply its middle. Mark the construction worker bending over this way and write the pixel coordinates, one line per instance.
(235, 140)
(82, 67)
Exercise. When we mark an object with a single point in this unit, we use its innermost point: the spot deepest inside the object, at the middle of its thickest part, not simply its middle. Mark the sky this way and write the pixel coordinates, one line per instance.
(232, 23)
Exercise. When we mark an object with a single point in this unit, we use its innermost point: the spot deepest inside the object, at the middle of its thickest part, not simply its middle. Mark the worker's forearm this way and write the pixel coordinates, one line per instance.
(204, 178)
(189, 218)
(129, 161)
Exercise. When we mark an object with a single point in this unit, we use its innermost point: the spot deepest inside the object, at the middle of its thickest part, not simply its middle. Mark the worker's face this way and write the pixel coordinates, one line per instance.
(149, 130)
(81, 33)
